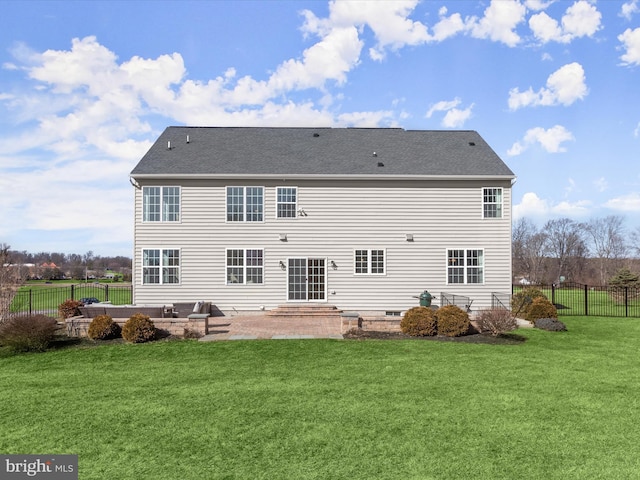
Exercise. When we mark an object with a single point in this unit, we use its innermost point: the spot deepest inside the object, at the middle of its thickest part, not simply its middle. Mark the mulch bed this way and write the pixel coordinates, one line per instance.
(483, 338)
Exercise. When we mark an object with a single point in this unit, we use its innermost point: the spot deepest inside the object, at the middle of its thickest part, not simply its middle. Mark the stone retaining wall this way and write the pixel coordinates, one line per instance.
(79, 326)
(376, 324)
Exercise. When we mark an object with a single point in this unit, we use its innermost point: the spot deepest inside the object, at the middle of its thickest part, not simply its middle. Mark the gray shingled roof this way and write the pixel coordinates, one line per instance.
(256, 151)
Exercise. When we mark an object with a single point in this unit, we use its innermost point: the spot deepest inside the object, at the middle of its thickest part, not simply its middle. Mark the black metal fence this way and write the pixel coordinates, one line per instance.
(46, 298)
(572, 298)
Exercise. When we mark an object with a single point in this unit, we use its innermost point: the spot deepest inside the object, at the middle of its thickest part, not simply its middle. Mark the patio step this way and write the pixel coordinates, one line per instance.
(305, 311)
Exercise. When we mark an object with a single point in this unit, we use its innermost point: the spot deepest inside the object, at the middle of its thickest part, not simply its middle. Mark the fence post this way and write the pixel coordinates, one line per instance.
(586, 300)
(30, 301)
(626, 301)
(72, 292)
(553, 293)
(106, 292)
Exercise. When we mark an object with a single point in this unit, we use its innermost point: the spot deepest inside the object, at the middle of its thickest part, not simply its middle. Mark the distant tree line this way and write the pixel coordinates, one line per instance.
(55, 266)
(591, 252)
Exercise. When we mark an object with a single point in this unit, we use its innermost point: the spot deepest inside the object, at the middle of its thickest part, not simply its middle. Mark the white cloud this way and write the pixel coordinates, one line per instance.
(454, 117)
(625, 203)
(499, 22)
(532, 206)
(628, 9)
(564, 86)
(581, 208)
(582, 19)
(538, 4)
(550, 140)
(601, 184)
(443, 106)
(631, 44)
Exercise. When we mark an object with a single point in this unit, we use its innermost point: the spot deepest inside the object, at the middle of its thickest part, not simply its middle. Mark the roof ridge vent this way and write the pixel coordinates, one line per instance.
(316, 134)
(472, 144)
(168, 144)
(380, 164)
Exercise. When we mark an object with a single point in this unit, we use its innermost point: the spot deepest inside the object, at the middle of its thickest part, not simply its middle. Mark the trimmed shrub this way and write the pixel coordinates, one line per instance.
(139, 329)
(419, 322)
(69, 308)
(550, 324)
(541, 308)
(102, 327)
(496, 321)
(452, 321)
(521, 301)
(28, 333)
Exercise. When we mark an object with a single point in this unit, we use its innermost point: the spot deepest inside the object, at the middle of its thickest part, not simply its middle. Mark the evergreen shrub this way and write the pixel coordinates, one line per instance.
(102, 327)
(419, 322)
(139, 329)
(541, 307)
(452, 321)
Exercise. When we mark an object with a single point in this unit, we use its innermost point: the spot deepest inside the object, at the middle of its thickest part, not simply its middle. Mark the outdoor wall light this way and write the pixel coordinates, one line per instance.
(282, 265)
(282, 237)
(333, 265)
(409, 237)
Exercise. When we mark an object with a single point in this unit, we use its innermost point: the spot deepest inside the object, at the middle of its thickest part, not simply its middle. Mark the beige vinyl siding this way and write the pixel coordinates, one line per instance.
(341, 216)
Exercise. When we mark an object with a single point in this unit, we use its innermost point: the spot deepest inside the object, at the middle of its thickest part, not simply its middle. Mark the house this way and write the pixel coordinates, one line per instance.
(364, 219)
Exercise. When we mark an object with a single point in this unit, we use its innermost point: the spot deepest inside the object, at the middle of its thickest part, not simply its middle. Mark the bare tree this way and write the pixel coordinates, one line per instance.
(608, 246)
(634, 242)
(9, 282)
(529, 251)
(566, 245)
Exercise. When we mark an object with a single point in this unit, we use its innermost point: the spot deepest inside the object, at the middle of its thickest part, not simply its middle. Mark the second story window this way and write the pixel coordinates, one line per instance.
(492, 202)
(286, 202)
(160, 204)
(245, 204)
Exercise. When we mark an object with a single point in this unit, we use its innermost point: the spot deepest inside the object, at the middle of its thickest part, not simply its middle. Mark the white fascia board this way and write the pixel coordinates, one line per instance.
(239, 176)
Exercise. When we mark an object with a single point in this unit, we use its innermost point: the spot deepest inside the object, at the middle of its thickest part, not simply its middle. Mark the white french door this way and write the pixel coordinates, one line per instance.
(307, 279)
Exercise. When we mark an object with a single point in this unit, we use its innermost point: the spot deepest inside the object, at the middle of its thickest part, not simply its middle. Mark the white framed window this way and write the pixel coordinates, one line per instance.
(369, 262)
(245, 204)
(160, 266)
(161, 204)
(465, 266)
(245, 266)
(492, 202)
(286, 202)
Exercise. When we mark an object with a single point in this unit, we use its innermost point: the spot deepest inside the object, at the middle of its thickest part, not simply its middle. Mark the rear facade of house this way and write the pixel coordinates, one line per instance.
(364, 219)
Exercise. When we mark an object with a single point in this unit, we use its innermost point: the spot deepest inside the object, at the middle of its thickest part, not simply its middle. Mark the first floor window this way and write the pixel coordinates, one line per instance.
(465, 266)
(160, 266)
(245, 266)
(369, 262)
(492, 202)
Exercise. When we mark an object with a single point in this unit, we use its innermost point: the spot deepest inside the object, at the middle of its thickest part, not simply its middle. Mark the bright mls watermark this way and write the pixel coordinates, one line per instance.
(50, 467)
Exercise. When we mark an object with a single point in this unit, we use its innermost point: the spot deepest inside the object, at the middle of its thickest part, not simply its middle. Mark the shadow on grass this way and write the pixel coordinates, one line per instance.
(480, 338)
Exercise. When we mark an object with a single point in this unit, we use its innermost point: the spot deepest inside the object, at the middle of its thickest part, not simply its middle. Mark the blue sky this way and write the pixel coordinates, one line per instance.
(86, 87)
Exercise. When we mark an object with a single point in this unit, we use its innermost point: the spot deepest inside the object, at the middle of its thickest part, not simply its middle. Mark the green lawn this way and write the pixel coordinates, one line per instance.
(558, 406)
